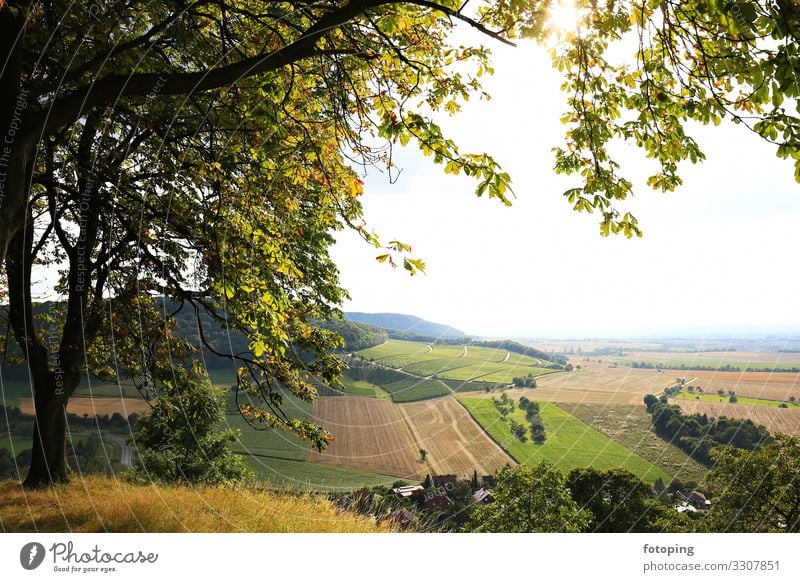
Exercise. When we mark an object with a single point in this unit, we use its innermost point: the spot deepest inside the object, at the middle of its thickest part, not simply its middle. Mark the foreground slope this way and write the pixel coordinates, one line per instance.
(102, 504)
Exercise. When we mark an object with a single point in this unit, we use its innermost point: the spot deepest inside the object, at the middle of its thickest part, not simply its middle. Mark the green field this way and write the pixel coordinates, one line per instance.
(570, 442)
(631, 426)
(713, 397)
(413, 389)
(305, 476)
(455, 362)
(20, 442)
(361, 388)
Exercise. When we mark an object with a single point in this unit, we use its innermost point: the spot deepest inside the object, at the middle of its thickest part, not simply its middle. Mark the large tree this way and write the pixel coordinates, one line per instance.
(204, 152)
(530, 499)
(756, 491)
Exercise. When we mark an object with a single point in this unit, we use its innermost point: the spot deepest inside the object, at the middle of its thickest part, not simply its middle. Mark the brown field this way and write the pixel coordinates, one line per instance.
(783, 420)
(455, 443)
(768, 385)
(98, 405)
(370, 434)
(595, 384)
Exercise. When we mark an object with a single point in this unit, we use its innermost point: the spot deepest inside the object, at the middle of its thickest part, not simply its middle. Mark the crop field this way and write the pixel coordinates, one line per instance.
(766, 385)
(412, 389)
(740, 400)
(370, 434)
(282, 459)
(95, 406)
(570, 442)
(630, 426)
(456, 444)
(777, 420)
(611, 380)
(462, 363)
(714, 359)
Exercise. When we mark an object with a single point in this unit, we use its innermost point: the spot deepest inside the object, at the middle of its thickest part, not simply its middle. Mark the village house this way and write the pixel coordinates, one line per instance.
(482, 496)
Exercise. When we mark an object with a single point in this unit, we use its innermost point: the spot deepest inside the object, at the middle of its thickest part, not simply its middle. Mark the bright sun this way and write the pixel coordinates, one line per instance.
(564, 16)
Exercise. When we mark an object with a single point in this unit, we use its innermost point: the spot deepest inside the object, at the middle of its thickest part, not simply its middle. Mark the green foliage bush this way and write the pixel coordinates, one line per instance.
(178, 440)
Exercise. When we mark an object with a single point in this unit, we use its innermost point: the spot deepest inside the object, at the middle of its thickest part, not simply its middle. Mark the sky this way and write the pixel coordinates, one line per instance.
(718, 254)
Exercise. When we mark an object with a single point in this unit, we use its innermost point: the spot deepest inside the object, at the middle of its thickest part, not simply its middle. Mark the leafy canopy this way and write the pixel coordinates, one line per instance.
(206, 151)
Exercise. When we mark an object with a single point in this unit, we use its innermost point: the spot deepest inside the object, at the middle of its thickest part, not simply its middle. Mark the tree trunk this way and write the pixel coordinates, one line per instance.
(49, 460)
(14, 146)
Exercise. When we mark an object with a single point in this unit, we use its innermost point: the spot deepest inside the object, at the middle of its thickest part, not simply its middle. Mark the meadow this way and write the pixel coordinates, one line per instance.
(570, 442)
(630, 426)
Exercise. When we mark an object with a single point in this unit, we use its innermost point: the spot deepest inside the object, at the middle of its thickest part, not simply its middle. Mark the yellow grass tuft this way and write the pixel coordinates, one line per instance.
(104, 504)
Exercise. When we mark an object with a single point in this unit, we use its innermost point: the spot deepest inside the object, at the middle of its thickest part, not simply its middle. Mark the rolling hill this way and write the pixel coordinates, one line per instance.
(407, 324)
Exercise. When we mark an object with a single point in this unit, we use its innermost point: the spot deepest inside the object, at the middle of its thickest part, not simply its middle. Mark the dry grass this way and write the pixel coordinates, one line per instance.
(456, 444)
(370, 434)
(94, 406)
(771, 386)
(783, 420)
(102, 504)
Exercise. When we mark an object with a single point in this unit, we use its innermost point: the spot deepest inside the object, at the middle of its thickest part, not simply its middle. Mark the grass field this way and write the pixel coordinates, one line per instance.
(740, 400)
(777, 420)
(20, 443)
(102, 504)
(455, 362)
(285, 474)
(370, 434)
(413, 389)
(630, 426)
(455, 443)
(570, 442)
(362, 388)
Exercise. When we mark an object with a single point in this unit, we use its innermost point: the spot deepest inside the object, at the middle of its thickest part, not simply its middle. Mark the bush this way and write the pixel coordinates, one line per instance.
(178, 441)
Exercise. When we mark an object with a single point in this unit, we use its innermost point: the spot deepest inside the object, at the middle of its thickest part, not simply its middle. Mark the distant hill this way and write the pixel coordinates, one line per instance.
(407, 325)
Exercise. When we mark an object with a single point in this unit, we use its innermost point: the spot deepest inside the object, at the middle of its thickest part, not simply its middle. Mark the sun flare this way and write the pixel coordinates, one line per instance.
(564, 16)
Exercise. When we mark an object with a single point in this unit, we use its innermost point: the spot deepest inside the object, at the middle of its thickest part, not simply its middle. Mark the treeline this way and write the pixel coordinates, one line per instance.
(430, 339)
(690, 367)
(698, 434)
(524, 381)
(356, 336)
(518, 348)
(721, 368)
